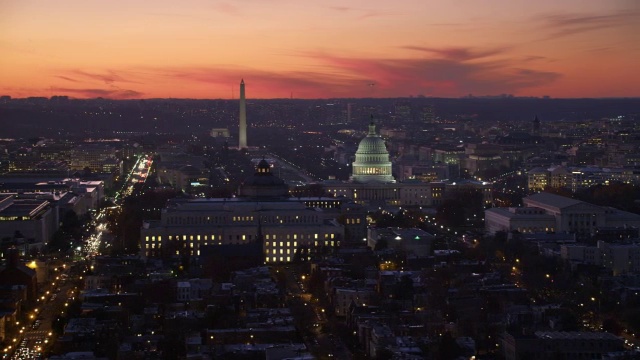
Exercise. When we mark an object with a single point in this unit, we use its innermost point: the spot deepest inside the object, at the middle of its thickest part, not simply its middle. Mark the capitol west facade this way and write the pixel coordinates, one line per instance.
(372, 182)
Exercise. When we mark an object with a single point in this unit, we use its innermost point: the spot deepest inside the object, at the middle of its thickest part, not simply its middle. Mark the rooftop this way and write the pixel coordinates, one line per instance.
(552, 200)
(575, 335)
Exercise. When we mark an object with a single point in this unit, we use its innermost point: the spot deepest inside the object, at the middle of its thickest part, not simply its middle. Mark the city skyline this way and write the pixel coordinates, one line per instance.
(284, 49)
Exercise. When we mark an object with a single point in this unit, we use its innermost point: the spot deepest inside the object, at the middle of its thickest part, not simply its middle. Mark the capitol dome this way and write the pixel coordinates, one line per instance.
(372, 160)
(263, 184)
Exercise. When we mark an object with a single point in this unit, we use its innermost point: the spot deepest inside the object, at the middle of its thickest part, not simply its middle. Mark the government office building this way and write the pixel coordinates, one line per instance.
(546, 212)
(288, 227)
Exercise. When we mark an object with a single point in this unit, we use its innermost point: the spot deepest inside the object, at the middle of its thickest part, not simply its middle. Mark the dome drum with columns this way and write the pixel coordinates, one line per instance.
(372, 160)
(263, 184)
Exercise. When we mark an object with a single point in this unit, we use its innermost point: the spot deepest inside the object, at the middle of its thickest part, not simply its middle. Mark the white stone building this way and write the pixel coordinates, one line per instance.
(545, 212)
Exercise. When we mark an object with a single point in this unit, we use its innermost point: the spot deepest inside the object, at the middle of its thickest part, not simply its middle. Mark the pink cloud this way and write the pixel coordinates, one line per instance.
(94, 93)
(448, 72)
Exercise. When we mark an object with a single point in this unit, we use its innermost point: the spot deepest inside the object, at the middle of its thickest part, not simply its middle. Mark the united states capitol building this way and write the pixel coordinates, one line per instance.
(372, 182)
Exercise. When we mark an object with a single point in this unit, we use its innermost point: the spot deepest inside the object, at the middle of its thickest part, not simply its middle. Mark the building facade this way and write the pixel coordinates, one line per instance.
(373, 184)
(545, 212)
(372, 160)
(287, 227)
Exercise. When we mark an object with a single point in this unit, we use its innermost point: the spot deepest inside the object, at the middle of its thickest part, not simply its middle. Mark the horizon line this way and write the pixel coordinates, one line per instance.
(488, 97)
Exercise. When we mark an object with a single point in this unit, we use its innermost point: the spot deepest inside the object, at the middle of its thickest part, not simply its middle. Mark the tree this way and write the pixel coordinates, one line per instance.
(451, 213)
(59, 241)
(447, 348)
(70, 220)
(381, 244)
(404, 288)
(612, 325)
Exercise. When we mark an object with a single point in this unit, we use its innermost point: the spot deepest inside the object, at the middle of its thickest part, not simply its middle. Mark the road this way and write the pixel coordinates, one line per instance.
(36, 335)
(316, 329)
(136, 178)
(289, 167)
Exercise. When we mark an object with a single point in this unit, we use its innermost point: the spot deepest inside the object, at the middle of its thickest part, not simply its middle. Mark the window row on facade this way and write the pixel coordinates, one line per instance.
(222, 220)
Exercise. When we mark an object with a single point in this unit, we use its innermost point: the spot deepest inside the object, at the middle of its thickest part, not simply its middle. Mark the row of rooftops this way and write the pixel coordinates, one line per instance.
(575, 335)
(21, 208)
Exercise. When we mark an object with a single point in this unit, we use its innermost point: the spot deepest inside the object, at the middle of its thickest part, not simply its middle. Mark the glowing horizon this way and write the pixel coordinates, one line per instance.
(282, 48)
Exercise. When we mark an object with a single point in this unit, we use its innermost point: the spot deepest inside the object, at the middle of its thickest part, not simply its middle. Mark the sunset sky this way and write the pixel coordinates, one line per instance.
(319, 49)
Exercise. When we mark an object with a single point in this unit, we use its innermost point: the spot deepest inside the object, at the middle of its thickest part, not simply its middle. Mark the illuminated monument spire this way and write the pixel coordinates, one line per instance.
(242, 141)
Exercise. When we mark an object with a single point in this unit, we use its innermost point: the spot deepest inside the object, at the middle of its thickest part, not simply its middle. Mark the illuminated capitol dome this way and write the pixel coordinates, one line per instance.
(372, 160)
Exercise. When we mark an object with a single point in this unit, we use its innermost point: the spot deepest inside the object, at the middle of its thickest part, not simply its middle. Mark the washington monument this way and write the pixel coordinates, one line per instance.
(242, 141)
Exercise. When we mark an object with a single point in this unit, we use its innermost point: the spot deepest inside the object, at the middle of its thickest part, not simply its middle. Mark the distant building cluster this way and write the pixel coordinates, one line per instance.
(181, 171)
(578, 178)
(619, 258)
(548, 213)
(31, 212)
(63, 157)
(250, 261)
